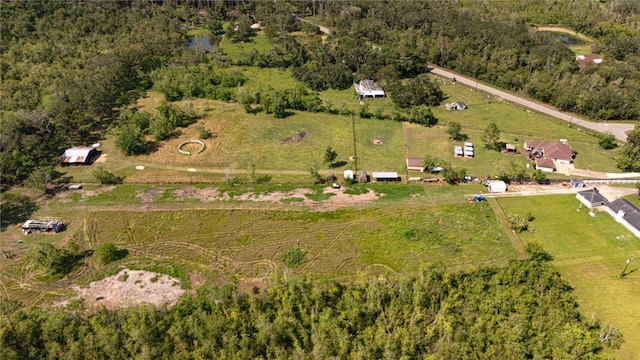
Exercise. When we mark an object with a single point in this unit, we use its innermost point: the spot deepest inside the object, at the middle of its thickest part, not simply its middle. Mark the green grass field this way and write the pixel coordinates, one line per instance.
(234, 50)
(590, 252)
(261, 140)
(408, 228)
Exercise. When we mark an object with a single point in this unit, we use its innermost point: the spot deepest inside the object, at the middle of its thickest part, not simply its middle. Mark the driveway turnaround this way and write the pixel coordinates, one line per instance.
(619, 130)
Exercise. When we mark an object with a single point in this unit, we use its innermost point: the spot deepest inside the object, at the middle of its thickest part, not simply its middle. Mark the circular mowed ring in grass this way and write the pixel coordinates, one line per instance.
(189, 146)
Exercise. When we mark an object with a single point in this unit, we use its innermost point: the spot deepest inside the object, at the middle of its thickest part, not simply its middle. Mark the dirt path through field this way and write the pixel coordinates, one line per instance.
(561, 29)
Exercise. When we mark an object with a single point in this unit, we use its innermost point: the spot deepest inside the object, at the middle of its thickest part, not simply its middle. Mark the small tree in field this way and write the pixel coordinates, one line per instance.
(454, 130)
(41, 178)
(313, 171)
(422, 115)
(330, 155)
(108, 252)
(491, 137)
(431, 161)
(130, 139)
(608, 142)
(453, 176)
(517, 223)
(539, 176)
(105, 177)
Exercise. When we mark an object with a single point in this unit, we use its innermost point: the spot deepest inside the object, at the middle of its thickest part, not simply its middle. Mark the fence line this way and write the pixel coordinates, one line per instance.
(610, 181)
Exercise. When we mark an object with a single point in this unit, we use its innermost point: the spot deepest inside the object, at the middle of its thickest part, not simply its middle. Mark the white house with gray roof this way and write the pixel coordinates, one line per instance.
(625, 212)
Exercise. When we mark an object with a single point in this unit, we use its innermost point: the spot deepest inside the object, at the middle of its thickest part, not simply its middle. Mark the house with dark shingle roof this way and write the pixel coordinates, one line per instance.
(591, 198)
(623, 210)
(627, 214)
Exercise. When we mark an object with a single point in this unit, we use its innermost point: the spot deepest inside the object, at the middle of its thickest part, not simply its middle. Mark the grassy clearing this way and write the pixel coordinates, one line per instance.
(259, 139)
(223, 239)
(590, 255)
(234, 50)
(263, 79)
(198, 32)
(581, 49)
(249, 243)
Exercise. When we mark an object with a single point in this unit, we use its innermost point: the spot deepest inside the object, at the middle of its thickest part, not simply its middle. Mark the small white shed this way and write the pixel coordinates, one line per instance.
(497, 186)
(348, 174)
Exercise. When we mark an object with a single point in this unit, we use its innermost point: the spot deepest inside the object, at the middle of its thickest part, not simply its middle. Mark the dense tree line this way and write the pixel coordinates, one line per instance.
(196, 81)
(68, 67)
(629, 158)
(523, 310)
(493, 41)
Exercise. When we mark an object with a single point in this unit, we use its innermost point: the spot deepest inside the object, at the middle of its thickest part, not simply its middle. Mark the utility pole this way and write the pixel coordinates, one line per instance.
(355, 153)
(622, 274)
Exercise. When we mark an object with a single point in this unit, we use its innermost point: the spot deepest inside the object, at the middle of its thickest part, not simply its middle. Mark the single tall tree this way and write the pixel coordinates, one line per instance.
(454, 130)
(431, 162)
(330, 155)
(491, 137)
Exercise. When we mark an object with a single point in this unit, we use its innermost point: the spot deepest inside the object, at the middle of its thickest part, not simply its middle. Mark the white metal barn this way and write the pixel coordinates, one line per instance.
(497, 186)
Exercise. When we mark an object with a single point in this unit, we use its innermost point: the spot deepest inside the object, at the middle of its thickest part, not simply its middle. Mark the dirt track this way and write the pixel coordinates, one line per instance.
(564, 30)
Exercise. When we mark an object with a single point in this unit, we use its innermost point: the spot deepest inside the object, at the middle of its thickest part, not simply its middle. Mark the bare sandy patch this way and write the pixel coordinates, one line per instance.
(131, 287)
(276, 196)
(148, 195)
(339, 199)
(206, 194)
(90, 193)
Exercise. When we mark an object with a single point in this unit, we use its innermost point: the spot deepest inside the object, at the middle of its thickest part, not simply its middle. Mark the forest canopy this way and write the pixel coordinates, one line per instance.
(523, 310)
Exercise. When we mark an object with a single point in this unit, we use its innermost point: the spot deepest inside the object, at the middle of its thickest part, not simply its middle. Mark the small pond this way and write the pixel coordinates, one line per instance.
(569, 39)
(203, 43)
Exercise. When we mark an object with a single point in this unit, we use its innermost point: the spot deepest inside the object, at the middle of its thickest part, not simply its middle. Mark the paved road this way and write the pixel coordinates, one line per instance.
(619, 130)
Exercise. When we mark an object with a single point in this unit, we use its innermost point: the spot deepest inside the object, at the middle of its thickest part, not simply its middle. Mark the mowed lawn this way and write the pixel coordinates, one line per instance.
(590, 252)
